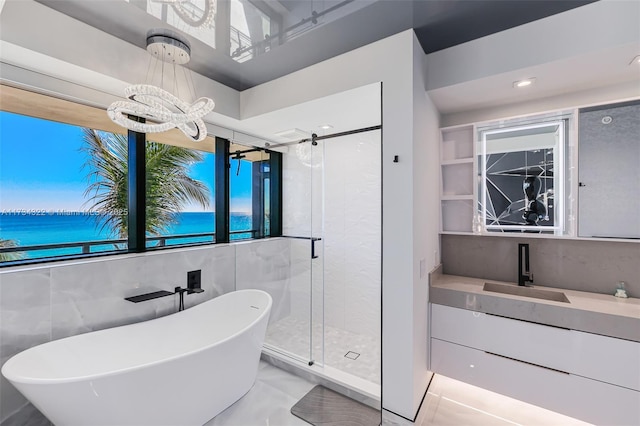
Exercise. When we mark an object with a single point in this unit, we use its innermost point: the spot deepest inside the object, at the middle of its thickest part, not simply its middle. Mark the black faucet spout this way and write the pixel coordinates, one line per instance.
(524, 272)
(181, 291)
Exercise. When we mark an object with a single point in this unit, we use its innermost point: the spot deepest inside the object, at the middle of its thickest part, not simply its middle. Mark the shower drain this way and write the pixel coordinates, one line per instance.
(352, 355)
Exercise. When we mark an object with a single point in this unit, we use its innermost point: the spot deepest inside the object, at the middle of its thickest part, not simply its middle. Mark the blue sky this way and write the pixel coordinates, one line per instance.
(41, 167)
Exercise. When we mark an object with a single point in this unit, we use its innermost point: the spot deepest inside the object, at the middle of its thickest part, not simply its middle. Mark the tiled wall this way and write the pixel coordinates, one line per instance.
(56, 300)
(586, 265)
(266, 266)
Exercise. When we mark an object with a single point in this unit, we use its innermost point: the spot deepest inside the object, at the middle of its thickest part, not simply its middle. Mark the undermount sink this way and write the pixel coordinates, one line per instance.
(536, 293)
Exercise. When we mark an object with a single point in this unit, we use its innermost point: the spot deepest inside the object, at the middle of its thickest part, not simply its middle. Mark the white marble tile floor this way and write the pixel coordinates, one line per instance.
(269, 401)
(448, 402)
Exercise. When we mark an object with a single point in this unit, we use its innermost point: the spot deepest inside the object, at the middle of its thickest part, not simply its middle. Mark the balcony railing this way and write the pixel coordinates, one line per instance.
(120, 244)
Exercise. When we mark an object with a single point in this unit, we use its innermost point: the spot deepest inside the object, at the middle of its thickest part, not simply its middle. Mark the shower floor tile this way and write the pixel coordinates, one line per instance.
(292, 334)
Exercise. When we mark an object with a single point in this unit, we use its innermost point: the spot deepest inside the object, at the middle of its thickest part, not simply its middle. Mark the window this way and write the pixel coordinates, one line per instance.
(48, 179)
(180, 192)
(65, 173)
(248, 193)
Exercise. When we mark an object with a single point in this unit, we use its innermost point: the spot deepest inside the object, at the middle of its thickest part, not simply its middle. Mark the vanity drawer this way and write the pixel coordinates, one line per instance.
(535, 343)
(585, 399)
(608, 359)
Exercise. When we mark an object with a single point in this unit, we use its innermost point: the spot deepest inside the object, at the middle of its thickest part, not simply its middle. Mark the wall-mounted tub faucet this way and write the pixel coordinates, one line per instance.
(524, 272)
(193, 286)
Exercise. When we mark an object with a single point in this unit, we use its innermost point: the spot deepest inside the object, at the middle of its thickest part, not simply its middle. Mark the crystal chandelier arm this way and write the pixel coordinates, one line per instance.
(149, 102)
(160, 109)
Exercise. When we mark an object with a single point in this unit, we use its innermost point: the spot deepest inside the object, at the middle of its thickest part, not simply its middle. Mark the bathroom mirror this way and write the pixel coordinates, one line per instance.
(521, 178)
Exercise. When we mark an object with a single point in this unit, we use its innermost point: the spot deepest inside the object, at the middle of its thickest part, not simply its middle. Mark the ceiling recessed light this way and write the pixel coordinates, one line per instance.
(524, 83)
(635, 60)
(326, 126)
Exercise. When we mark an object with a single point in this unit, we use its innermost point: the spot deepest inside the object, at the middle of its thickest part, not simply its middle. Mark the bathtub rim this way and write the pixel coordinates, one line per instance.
(40, 381)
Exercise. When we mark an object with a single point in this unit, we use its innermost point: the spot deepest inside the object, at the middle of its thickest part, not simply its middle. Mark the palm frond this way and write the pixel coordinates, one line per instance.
(168, 186)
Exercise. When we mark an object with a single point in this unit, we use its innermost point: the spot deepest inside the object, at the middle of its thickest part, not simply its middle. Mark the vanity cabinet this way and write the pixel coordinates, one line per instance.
(609, 171)
(590, 377)
(457, 183)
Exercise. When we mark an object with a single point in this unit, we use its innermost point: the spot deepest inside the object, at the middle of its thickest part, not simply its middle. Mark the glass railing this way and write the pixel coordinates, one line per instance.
(57, 250)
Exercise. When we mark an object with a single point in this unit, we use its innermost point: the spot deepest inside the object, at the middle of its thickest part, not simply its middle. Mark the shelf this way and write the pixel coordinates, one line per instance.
(149, 296)
(457, 179)
(457, 197)
(457, 215)
(458, 161)
(457, 144)
(457, 233)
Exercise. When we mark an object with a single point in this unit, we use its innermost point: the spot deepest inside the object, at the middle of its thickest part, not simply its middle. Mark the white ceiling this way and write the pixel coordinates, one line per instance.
(587, 71)
(349, 110)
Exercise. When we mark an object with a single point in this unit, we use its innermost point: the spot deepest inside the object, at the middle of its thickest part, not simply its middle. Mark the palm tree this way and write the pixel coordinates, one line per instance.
(12, 255)
(169, 188)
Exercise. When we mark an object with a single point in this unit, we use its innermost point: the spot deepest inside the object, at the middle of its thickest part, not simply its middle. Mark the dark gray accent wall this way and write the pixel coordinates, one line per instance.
(585, 265)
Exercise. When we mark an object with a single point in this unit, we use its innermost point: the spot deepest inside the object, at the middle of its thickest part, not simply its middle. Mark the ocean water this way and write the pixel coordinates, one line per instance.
(40, 228)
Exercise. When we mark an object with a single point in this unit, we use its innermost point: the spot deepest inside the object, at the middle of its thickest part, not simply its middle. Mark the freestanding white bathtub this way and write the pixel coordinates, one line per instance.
(182, 369)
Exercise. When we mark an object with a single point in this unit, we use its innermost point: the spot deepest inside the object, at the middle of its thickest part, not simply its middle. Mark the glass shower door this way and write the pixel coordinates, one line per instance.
(346, 273)
(291, 324)
(332, 231)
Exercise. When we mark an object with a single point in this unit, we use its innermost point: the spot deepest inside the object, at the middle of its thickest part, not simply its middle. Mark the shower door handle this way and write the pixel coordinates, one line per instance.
(313, 243)
(313, 248)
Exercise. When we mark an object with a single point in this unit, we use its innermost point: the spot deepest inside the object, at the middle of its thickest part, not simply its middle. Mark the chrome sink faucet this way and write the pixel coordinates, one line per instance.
(524, 273)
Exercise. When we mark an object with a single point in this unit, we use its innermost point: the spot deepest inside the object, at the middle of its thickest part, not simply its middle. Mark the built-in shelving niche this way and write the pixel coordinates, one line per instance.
(457, 183)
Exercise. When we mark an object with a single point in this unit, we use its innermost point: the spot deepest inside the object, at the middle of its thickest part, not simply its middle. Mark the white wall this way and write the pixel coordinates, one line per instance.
(352, 233)
(426, 222)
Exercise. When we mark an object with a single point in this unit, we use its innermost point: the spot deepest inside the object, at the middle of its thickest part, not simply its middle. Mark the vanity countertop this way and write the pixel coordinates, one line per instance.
(589, 312)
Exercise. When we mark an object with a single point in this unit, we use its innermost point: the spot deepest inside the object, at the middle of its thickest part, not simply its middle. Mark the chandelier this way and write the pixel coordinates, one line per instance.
(161, 109)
